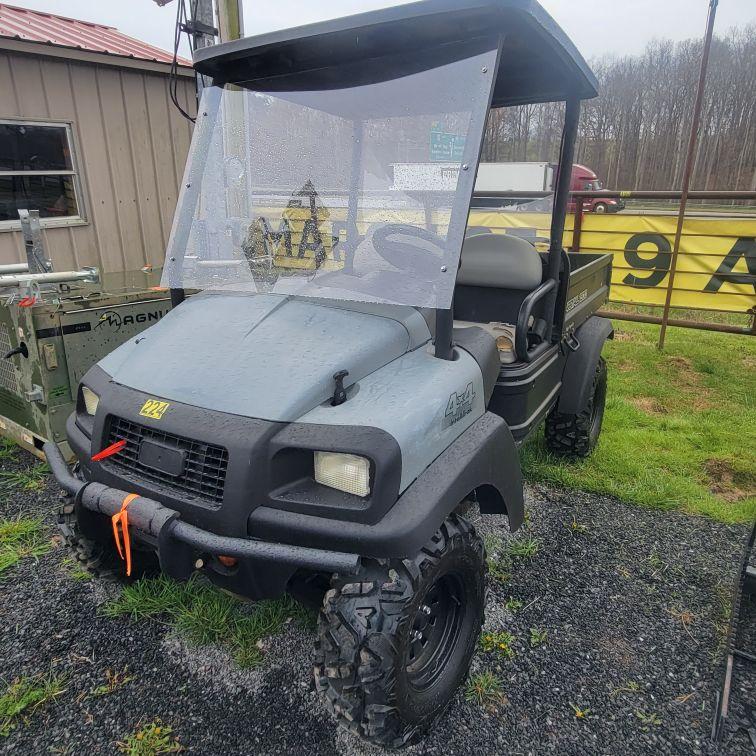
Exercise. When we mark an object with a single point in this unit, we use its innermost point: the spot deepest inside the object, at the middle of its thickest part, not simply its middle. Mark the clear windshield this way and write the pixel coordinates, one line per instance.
(356, 193)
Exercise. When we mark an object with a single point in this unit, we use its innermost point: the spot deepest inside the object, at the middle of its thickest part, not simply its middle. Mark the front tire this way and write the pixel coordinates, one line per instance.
(600, 207)
(576, 435)
(99, 557)
(395, 642)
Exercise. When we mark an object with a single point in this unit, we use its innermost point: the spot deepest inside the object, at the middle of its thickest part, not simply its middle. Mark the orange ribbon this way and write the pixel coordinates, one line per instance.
(122, 518)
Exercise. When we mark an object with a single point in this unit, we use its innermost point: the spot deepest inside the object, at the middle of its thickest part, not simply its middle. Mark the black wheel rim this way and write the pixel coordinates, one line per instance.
(435, 631)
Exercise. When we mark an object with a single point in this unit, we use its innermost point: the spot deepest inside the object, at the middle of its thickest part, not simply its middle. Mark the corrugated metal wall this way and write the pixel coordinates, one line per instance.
(131, 145)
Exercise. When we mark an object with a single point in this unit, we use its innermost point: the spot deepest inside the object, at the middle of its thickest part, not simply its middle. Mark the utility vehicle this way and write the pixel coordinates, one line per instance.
(319, 414)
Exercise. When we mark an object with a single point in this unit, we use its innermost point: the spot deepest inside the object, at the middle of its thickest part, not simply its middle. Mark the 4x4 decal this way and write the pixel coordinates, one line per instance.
(459, 405)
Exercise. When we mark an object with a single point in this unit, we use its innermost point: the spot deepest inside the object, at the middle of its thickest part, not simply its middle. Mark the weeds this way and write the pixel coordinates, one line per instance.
(151, 739)
(498, 560)
(500, 642)
(113, 681)
(485, 689)
(580, 713)
(523, 548)
(685, 616)
(648, 720)
(8, 449)
(32, 479)
(205, 615)
(75, 570)
(24, 696)
(537, 637)
(513, 605)
(629, 687)
(21, 538)
(576, 527)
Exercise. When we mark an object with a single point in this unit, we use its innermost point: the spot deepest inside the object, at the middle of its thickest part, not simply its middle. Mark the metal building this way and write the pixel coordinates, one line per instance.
(88, 136)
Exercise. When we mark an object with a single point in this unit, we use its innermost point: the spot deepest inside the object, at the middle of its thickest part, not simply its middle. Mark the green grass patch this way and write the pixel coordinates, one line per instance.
(20, 538)
(151, 739)
(679, 429)
(485, 689)
(24, 696)
(8, 449)
(205, 615)
(31, 479)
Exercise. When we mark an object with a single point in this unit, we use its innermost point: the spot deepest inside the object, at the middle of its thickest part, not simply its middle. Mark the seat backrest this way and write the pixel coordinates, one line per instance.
(500, 261)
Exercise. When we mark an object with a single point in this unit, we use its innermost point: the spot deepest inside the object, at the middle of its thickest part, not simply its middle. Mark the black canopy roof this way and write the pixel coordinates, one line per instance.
(538, 61)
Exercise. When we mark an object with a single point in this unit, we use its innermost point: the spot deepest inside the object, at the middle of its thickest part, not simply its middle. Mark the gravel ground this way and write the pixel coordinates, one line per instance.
(632, 601)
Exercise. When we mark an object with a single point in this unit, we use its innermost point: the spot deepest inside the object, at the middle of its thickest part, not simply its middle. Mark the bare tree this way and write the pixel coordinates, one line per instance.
(633, 135)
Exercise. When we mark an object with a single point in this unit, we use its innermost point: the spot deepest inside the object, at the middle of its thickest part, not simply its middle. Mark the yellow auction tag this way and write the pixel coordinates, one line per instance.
(154, 409)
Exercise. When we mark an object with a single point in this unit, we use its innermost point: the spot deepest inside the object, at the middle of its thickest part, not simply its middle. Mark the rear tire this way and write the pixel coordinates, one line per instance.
(576, 435)
(600, 208)
(395, 642)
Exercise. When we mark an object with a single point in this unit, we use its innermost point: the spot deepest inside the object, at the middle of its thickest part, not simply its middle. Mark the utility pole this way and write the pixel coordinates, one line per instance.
(230, 17)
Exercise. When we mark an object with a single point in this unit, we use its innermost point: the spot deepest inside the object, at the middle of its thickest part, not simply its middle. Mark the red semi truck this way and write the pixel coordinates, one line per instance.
(541, 177)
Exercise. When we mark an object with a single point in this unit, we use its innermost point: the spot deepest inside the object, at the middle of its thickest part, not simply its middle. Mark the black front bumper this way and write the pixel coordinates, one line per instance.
(181, 546)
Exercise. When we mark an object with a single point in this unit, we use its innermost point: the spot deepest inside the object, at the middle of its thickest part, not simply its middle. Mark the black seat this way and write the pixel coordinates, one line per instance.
(500, 261)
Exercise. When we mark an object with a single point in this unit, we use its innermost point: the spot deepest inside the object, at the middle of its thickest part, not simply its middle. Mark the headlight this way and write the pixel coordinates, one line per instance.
(91, 400)
(345, 472)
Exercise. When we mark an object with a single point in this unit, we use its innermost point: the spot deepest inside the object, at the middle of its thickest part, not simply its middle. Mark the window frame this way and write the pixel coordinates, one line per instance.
(80, 219)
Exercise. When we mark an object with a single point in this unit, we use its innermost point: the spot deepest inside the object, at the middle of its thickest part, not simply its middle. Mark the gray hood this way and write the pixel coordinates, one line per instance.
(264, 356)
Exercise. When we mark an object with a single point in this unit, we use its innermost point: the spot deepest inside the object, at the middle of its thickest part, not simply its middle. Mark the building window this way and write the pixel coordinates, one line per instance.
(38, 172)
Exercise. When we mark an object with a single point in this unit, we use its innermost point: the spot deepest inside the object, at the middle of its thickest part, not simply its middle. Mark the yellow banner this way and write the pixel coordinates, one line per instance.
(716, 268)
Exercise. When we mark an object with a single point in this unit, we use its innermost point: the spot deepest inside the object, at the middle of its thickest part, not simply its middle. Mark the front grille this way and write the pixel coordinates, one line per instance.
(204, 474)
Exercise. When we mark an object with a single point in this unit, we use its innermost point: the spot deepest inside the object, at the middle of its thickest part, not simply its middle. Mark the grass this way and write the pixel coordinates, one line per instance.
(648, 720)
(24, 696)
(20, 538)
(485, 689)
(537, 637)
(679, 429)
(75, 571)
(205, 615)
(8, 449)
(501, 643)
(151, 739)
(523, 548)
(32, 479)
(499, 563)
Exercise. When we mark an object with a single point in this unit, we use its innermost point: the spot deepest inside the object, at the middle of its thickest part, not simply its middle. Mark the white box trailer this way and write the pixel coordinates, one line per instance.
(515, 177)
(492, 177)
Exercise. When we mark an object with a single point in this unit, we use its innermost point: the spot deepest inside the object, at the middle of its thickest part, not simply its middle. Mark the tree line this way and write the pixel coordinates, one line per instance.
(635, 133)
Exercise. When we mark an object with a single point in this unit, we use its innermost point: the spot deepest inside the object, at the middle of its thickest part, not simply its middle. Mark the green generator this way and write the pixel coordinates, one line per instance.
(51, 333)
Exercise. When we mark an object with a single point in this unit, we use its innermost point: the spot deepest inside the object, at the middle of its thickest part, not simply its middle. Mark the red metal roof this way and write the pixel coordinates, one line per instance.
(47, 28)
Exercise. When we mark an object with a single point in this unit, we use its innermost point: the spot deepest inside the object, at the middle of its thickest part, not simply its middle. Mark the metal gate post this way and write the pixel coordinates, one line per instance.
(688, 166)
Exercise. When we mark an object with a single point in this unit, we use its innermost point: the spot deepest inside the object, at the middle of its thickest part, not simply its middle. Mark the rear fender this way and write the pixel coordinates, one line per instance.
(579, 370)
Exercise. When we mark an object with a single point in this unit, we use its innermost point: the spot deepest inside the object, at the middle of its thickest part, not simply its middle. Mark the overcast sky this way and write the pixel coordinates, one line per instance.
(596, 26)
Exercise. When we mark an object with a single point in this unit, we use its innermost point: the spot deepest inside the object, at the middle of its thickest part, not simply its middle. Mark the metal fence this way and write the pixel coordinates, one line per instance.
(715, 262)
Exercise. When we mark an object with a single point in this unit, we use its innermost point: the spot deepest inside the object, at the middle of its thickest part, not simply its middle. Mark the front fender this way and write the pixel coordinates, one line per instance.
(483, 459)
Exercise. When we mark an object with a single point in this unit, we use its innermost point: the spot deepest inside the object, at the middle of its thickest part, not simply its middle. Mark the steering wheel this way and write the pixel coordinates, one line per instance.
(408, 247)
